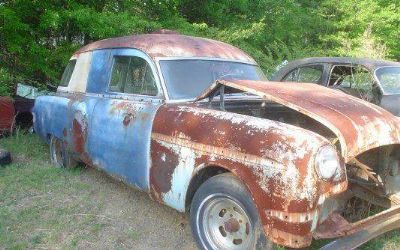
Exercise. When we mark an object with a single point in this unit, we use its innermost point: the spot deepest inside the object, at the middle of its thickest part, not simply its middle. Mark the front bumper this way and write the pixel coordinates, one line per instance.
(352, 235)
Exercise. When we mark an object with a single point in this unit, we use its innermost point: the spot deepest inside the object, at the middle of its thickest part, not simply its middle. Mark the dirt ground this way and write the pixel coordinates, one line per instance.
(153, 226)
(42, 207)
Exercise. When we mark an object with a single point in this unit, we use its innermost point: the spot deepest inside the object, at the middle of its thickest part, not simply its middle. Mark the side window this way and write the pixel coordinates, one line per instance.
(66, 76)
(355, 77)
(312, 73)
(292, 76)
(356, 81)
(132, 75)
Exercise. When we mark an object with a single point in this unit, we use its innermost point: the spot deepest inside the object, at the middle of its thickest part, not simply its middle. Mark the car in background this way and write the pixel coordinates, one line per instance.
(24, 100)
(375, 81)
(7, 114)
(17, 111)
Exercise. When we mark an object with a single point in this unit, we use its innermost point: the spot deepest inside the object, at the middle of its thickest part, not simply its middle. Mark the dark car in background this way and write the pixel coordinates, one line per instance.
(375, 81)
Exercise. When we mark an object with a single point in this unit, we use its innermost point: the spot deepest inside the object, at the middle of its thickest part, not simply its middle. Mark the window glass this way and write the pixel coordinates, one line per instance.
(355, 77)
(66, 77)
(389, 77)
(312, 73)
(292, 76)
(187, 79)
(356, 81)
(132, 75)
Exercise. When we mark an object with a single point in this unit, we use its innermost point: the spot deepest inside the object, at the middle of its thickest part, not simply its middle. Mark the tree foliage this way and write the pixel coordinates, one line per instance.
(38, 37)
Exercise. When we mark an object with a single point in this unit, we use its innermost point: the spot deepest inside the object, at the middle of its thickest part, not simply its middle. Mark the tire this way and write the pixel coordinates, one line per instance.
(223, 216)
(60, 156)
(5, 157)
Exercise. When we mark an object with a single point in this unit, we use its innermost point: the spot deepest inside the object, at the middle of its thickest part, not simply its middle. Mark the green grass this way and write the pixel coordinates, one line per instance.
(40, 204)
(45, 207)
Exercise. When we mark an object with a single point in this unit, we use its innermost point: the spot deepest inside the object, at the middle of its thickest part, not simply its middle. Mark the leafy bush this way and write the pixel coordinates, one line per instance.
(7, 83)
(38, 37)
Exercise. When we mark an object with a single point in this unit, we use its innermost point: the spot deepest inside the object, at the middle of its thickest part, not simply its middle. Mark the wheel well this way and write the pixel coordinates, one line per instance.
(48, 137)
(200, 177)
(24, 120)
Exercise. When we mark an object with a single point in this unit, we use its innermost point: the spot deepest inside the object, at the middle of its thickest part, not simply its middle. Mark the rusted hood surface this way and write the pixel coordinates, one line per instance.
(359, 125)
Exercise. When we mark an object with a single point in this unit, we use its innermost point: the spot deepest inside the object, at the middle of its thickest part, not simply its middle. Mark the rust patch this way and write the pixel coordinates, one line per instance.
(124, 106)
(79, 133)
(359, 125)
(172, 45)
(128, 110)
(127, 120)
(232, 225)
(332, 227)
(78, 137)
(161, 182)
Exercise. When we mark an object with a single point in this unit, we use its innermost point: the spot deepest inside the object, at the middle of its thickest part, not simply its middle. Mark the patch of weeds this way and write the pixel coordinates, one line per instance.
(78, 238)
(26, 146)
(390, 240)
(38, 238)
(97, 227)
(133, 235)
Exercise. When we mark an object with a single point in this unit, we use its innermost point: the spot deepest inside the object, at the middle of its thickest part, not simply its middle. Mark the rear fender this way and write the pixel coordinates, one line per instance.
(50, 116)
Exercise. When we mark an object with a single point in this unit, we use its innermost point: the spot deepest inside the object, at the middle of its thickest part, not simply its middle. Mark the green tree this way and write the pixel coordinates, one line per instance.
(38, 37)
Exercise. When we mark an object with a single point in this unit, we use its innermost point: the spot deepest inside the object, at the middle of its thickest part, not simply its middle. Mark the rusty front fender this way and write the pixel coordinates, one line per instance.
(274, 160)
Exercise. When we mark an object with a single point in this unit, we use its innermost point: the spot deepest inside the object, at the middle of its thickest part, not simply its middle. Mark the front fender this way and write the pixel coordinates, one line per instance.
(274, 160)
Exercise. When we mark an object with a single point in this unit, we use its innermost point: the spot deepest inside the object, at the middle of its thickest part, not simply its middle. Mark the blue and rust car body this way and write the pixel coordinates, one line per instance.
(167, 148)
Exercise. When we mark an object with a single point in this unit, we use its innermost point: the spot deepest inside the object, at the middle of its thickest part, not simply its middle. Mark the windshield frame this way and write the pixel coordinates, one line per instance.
(384, 92)
(164, 85)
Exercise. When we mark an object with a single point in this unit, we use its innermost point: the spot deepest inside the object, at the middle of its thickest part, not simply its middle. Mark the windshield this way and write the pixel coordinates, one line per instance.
(187, 79)
(389, 78)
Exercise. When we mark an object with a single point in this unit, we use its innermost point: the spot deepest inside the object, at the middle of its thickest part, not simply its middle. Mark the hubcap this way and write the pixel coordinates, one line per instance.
(225, 223)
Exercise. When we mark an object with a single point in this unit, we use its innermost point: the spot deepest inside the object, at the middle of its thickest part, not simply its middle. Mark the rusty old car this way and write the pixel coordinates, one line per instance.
(15, 111)
(376, 81)
(7, 113)
(195, 124)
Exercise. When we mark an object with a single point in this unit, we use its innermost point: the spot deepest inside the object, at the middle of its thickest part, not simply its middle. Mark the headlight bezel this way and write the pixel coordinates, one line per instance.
(327, 163)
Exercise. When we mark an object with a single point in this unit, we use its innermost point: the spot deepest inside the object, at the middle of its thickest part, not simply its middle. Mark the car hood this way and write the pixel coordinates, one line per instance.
(359, 125)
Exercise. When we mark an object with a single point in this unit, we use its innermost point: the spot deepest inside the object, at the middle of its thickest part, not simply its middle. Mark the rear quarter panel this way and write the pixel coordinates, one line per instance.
(50, 116)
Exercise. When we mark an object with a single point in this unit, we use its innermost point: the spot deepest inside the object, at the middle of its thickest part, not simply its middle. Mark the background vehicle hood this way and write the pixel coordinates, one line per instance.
(359, 125)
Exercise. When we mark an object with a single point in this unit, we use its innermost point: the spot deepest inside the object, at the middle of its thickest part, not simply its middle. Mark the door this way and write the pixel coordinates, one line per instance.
(121, 123)
(310, 74)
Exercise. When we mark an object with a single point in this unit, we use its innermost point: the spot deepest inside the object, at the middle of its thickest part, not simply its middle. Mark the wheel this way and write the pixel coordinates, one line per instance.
(60, 157)
(5, 157)
(223, 216)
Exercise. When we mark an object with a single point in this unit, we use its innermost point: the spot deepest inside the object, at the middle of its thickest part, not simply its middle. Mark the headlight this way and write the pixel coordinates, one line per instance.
(327, 163)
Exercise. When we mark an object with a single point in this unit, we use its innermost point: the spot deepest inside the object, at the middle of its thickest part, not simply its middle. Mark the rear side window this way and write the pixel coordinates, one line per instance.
(312, 74)
(355, 77)
(66, 77)
(132, 75)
